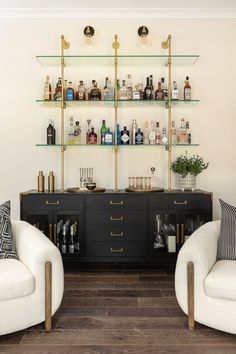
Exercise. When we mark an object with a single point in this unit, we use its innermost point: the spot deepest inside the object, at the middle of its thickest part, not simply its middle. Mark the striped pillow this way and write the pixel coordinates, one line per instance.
(226, 248)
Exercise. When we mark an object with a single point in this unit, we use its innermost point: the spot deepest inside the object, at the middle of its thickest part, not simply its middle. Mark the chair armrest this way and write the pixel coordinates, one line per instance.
(201, 250)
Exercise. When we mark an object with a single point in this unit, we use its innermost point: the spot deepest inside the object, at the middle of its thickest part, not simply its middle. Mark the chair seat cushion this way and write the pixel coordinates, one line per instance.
(15, 279)
(221, 281)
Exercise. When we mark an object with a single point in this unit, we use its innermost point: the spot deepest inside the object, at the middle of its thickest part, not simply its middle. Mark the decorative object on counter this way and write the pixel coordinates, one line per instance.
(89, 33)
(187, 169)
(79, 190)
(90, 186)
(141, 184)
(86, 176)
(143, 41)
(51, 182)
(155, 180)
(40, 182)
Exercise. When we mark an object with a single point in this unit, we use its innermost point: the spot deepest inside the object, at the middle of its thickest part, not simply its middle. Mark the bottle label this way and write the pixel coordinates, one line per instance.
(152, 136)
(175, 94)
(108, 139)
(71, 248)
(187, 94)
(125, 138)
(69, 95)
(63, 249)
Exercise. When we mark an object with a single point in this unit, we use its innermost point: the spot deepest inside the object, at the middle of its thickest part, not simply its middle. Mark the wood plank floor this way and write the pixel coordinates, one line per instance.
(119, 312)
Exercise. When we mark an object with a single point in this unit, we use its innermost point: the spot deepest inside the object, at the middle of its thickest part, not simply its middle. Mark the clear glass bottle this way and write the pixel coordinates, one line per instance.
(81, 93)
(133, 132)
(182, 133)
(136, 94)
(188, 132)
(103, 130)
(88, 130)
(47, 91)
(63, 244)
(158, 133)
(95, 93)
(71, 246)
(155, 181)
(123, 93)
(71, 137)
(146, 133)
(77, 133)
(175, 91)
(152, 134)
(92, 138)
(187, 89)
(108, 91)
(159, 94)
(70, 92)
(108, 138)
(125, 136)
(129, 87)
(173, 133)
(139, 137)
(164, 137)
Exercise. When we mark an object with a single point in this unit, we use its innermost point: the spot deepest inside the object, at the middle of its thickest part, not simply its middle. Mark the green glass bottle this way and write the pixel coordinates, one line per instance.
(103, 132)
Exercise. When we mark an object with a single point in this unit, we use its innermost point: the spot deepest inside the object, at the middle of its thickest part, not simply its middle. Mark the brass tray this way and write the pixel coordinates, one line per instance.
(153, 190)
(78, 190)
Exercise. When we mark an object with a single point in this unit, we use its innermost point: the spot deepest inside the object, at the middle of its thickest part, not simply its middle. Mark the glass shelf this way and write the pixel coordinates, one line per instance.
(108, 60)
(120, 146)
(124, 103)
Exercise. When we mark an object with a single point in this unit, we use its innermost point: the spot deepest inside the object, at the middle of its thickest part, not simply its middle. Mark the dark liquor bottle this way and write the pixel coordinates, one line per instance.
(81, 93)
(141, 92)
(124, 136)
(95, 93)
(76, 237)
(92, 138)
(103, 131)
(151, 84)
(159, 94)
(63, 244)
(71, 245)
(148, 91)
(53, 134)
(58, 90)
(50, 133)
(89, 90)
(118, 135)
(59, 233)
(164, 88)
(70, 92)
(139, 137)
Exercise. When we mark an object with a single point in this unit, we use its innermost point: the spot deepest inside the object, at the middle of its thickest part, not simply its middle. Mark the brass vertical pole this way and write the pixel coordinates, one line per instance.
(167, 45)
(64, 45)
(190, 276)
(48, 296)
(115, 46)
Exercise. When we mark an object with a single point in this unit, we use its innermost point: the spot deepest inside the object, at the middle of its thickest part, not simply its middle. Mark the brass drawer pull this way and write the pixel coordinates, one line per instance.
(177, 234)
(180, 203)
(117, 250)
(117, 203)
(116, 235)
(116, 219)
(52, 203)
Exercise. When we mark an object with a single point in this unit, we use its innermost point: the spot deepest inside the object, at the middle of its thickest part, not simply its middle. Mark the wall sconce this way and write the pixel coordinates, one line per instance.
(144, 41)
(89, 33)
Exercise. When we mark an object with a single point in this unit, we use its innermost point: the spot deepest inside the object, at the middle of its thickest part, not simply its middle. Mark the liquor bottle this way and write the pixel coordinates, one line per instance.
(136, 93)
(152, 134)
(118, 87)
(70, 92)
(81, 93)
(77, 133)
(58, 90)
(50, 132)
(71, 137)
(95, 93)
(88, 130)
(108, 91)
(59, 234)
(106, 81)
(151, 84)
(158, 133)
(164, 88)
(189, 134)
(125, 136)
(141, 91)
(92, 138)
(173, 133)
(63, 243)
(71, 246)
(123, 93)
(64, 89)
(148, 91)
(182, 133)
(164, 138)
(159, 94)
(103, 130)
(76, 236)
(133, 132)
(129, 87)
(89, 90)
(175, 91)
(118, 135)
(53, 134)
(139, 137)
(187, 89)
(47, 92)
(146, 133)
(108, 138)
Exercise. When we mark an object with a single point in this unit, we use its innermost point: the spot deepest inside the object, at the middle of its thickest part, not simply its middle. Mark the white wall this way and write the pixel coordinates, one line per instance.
(23, 122)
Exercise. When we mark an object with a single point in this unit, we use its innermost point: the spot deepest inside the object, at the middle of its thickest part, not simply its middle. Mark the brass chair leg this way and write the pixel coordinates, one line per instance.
(48, 296)
(190, 272)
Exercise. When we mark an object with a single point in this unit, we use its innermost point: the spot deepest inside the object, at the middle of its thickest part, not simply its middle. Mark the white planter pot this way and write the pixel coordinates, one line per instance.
(186, 183)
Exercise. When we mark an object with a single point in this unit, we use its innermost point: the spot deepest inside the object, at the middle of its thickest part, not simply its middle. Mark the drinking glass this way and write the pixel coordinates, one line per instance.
(131, 182)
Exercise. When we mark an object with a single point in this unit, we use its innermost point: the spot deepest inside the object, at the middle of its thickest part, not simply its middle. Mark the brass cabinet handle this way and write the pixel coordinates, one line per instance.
(50, 232)
(182, 233)
(177, 234)
(180, 203)
(116, 235)
(52, 203)
(55, 234)
(116, 219)
(117, 250)
(117, 203)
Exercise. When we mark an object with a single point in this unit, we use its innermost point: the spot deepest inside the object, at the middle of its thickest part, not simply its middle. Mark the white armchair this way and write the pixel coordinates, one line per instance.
(206, 288)
(31, 288)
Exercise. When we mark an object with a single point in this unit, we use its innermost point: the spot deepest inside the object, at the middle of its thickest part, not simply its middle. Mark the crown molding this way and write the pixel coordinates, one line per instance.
(118, 13)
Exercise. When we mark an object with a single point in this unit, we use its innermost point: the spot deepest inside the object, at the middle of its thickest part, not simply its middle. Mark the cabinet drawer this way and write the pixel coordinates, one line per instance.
(116, 201)
(180, 201)
(52, 202)
(116, 249)
(116, 233)
(116, 217)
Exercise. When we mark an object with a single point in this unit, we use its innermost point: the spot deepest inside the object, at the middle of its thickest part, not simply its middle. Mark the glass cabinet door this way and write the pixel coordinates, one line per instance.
(190, 222)
(164, 231)
(41, 220)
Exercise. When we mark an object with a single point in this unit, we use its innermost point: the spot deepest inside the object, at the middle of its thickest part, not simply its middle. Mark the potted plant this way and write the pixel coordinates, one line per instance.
(187, 168)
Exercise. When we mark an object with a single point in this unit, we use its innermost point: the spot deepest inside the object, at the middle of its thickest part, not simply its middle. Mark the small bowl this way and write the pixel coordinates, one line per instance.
(90, 186)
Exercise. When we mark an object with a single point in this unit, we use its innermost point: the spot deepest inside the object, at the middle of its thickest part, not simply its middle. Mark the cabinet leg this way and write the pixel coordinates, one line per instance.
(48, 296)
(190, 272)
